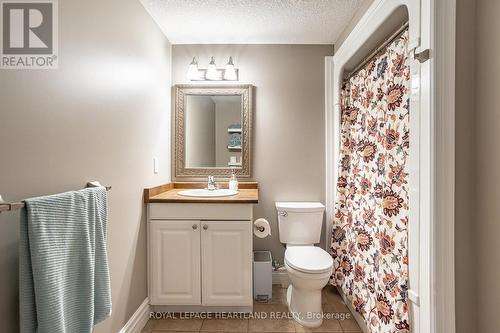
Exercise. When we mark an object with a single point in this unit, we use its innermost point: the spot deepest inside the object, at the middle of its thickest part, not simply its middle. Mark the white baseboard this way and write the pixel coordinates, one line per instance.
(281, 277)
(159, 310)
(138, 320)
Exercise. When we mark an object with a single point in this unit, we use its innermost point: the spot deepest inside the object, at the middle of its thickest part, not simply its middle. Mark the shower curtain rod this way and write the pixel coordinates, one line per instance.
(378, 50)
(9, 206)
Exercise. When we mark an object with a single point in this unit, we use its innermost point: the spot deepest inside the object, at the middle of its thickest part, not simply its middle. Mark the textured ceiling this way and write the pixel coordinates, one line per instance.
(252, 21)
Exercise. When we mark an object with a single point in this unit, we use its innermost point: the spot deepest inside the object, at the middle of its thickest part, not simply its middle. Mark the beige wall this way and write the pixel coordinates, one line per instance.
(352, 23)
(289, 131)
(465, 168)
(487, 175)
(102, 115)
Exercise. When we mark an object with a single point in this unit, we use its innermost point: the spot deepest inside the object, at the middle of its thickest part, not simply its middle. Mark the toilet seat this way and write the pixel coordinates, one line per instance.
(308, 259)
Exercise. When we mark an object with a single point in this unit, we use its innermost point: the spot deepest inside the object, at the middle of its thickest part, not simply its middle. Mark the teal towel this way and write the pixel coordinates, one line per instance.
(64, 282)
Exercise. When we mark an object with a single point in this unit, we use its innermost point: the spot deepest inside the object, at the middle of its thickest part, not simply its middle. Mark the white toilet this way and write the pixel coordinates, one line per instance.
(308, 267)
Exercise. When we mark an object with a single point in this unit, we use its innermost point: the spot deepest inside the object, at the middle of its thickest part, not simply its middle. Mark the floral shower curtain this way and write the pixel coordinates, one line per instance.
(369, 239)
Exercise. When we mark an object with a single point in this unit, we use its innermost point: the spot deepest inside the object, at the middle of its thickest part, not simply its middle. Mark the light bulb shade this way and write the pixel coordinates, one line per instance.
(230, 72)
(193, 73)
(212, 70)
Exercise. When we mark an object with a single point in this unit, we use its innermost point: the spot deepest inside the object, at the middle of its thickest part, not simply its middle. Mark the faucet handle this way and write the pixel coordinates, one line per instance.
(211, 183)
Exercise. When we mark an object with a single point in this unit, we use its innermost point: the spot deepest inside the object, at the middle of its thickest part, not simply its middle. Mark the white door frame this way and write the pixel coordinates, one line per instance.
(432, 151)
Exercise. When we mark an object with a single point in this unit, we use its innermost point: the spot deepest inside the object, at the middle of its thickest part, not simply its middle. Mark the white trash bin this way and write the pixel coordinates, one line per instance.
(262, 276)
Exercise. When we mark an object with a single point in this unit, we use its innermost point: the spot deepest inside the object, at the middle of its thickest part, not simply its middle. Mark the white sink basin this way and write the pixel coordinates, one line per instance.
(201, 192)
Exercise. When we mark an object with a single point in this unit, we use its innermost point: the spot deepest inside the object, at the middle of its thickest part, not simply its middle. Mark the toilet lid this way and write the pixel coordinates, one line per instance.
(308, 259)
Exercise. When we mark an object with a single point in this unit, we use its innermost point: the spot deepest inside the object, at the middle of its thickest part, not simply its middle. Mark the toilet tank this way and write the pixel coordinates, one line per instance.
(300, 223)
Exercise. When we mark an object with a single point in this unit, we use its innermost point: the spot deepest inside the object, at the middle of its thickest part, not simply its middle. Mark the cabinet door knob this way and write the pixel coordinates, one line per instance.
(195, 226)
(205, 227)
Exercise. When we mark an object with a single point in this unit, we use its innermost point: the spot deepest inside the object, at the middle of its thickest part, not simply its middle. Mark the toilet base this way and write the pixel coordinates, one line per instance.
(308, 312)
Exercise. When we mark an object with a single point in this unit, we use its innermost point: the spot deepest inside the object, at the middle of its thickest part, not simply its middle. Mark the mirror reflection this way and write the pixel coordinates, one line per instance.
(213, 131)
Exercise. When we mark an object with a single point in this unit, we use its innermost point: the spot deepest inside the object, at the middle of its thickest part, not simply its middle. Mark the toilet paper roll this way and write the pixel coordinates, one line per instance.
(261, 228)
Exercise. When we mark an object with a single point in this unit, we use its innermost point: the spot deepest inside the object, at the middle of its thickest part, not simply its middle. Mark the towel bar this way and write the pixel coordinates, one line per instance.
(8, 206)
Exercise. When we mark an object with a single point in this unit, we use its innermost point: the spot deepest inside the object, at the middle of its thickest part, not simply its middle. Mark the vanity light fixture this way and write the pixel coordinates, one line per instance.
(212, 73)
(193, 73)
(230, 73)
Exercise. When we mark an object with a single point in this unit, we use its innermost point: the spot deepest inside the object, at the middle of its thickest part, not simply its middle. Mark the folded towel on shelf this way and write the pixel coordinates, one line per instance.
(64, 283)
(235, 139)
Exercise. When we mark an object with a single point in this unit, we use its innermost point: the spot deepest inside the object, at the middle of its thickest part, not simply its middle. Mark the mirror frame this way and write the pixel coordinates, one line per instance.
(179, 170)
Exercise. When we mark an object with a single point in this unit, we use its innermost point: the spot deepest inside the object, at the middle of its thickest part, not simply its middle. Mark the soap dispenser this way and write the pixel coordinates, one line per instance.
(233, 181)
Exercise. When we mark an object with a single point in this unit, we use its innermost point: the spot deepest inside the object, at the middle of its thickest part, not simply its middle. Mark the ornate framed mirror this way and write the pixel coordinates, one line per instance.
(212, 131)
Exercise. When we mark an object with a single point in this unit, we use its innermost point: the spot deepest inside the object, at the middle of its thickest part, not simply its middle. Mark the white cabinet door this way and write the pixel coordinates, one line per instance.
(175, 262)
(227, 263)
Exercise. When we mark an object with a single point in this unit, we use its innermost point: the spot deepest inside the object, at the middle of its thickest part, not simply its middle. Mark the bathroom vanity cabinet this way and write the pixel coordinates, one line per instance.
(200, 255)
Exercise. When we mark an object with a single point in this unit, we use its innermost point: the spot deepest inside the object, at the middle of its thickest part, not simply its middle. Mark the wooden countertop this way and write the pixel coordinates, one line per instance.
(248, 193)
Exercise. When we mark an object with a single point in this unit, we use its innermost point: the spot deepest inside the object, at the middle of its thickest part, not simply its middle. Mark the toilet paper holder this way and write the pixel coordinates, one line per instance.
(261, 229)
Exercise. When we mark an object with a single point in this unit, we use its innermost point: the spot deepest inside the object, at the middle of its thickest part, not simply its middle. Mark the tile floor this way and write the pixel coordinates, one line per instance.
(332, 303)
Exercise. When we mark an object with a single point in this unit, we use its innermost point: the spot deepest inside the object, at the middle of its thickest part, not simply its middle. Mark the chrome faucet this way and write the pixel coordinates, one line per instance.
(212, 185)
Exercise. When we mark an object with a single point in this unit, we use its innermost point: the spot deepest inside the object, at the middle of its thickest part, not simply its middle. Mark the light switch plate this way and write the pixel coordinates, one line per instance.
(156, 168)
